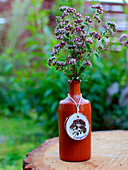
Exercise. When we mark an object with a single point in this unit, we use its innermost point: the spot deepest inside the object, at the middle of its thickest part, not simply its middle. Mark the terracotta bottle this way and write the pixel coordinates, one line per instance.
(70, 149)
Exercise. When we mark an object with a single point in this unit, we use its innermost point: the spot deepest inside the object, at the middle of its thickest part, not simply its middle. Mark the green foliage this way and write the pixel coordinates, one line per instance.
(28, 89)
(105, 115)
(40, 43)
(18, 137)
(44, 96)
(30, 92)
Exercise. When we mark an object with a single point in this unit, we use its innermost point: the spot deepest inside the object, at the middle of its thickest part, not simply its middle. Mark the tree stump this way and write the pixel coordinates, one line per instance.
(109, 151)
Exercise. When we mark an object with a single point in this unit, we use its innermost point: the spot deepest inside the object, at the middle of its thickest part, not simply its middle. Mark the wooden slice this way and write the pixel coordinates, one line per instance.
(109, 151)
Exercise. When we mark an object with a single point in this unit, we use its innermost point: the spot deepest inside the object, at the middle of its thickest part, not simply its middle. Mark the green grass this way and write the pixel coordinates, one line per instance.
(17, 137)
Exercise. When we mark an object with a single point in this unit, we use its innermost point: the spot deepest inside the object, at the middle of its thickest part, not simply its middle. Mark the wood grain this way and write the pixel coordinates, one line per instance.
(109, 152)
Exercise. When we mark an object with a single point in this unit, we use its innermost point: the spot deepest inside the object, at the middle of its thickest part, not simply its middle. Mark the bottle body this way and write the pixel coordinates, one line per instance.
(69, 149)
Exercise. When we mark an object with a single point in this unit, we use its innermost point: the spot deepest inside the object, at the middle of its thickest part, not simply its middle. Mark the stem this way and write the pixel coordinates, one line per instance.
(85, 39)
(68, 69)
(64, 51)
(87, 31)
(61, 58)
(64, 72)
(73, 69)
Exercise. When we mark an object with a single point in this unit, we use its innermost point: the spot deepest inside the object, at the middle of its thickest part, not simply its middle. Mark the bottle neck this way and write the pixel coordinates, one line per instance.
(74, 89)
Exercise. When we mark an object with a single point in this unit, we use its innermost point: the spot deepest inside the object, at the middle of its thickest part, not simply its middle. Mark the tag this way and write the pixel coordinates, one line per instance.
(77, 126)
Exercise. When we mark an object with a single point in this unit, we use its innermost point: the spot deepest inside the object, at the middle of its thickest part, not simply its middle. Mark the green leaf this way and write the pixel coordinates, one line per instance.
(8, 68)
(66, 39)
(81, 69)
(39, 109)
(87, 45)
(103, 40)
(34, 47)
(31, 28)
(47, 93)
(54, 106)
(97, 55)
(86, 23)
(70, 43)
(67, 34)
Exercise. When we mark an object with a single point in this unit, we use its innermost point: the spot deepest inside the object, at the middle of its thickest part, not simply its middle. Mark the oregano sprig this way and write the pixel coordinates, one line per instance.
(78, 41)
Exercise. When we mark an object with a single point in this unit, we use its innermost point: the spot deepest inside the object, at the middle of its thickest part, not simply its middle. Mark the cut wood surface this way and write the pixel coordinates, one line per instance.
(109, 152)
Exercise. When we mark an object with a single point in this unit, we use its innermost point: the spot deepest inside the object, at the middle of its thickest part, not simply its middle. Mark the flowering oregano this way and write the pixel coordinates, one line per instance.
(124, 40)
(78, 41)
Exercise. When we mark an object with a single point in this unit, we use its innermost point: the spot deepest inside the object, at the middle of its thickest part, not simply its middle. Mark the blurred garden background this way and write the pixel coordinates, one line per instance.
(30, 91)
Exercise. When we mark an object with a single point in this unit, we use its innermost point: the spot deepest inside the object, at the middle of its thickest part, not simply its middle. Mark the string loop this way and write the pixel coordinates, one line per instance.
(77, 106)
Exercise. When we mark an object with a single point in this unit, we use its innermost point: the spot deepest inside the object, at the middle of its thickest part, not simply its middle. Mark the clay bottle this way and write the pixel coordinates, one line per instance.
(70, 149)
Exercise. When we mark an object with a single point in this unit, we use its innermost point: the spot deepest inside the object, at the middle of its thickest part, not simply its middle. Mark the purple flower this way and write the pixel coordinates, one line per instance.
(58, 46)
(82, 26)
(125, 43)
(50, 60)
(87, 63)
(49, 63)
(111, 25)
(62, 43)
(77, 30)
(72, 30)
(78, 15)
(68, 27)
(64, 14)
(78, 21)
(71, 47)
(108, 49)
(97, 18)
(52, 53)
(100, 11)
(123, 36)
(106, 35)
(63, 8)
(53, 58)
(82, 36)
(88, 19)
(61, 31)
(60, 25)
(54, 63)
(59, 37)
(58, 64)
(89, 41)
(67, 20)
(58, 18)
(96, 35)
(72, 61)
(56, 49)
(77, 39)
(63, 64)
(92, 33)
(97, 6)
(71, 10)
(100, 48)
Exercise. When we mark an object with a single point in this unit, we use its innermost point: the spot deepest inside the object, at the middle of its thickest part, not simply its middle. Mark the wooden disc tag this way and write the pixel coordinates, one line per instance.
(77, 126)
